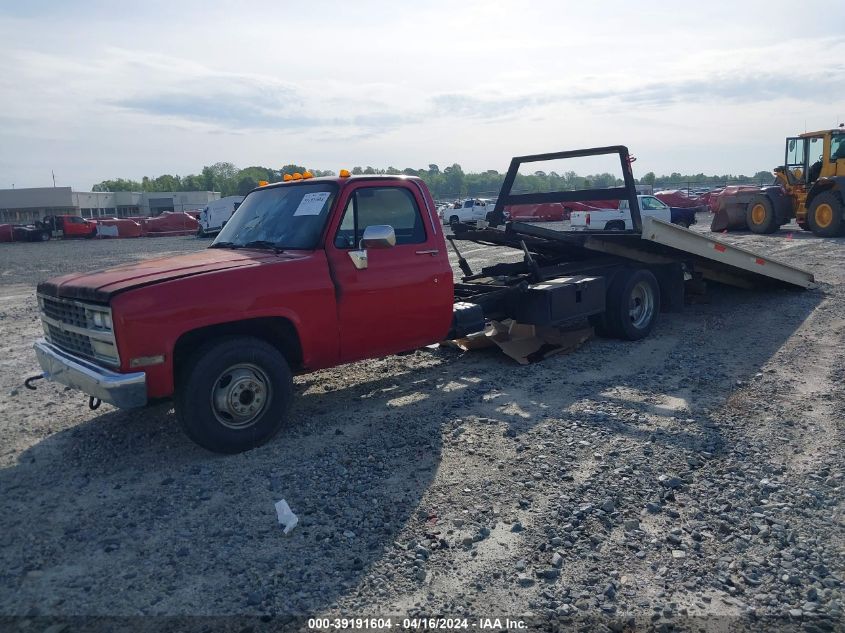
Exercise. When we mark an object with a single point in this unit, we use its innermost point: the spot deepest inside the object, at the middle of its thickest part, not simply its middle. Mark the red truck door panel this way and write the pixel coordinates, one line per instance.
(403, 299)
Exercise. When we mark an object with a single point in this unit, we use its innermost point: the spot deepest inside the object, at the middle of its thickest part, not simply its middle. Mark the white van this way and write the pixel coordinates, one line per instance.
(216, 214)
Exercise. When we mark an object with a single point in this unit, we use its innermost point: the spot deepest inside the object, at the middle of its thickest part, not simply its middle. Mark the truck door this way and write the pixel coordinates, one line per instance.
(480, 209)
(654, 207)
(403, 298)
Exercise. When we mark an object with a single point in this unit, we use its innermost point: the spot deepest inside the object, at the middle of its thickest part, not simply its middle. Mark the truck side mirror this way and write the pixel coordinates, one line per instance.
(378, 236)
(375, 236)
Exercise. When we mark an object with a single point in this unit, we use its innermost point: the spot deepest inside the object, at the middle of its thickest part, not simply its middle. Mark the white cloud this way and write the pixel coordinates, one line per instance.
(172, 88)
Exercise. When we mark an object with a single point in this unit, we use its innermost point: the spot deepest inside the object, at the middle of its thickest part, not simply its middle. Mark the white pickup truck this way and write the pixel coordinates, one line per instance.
(470, 210)
(619, 219)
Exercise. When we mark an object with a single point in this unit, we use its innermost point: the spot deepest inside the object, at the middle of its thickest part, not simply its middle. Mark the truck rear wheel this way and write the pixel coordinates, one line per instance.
(234, 394)
(615, 225)
(825, 215)
(760, 215)
(633, 303)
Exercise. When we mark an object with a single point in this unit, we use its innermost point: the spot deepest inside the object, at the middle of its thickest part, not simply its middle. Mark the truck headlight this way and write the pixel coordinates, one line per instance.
(100, 319)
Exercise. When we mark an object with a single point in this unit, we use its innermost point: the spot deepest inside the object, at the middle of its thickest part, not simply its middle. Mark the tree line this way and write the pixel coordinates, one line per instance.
(448, 183)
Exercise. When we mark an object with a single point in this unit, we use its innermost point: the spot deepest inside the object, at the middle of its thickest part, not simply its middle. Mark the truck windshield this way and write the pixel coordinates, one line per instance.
(290, 216)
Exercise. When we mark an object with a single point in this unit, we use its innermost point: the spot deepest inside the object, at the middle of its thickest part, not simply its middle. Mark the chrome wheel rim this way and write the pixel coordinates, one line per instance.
(641, 305)
(240, 395)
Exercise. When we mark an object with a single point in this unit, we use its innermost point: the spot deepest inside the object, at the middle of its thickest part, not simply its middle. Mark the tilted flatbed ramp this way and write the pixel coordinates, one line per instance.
(650, 241)
(662, 242)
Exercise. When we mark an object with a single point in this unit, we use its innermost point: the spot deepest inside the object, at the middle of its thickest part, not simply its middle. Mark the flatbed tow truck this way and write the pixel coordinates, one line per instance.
(317, 272)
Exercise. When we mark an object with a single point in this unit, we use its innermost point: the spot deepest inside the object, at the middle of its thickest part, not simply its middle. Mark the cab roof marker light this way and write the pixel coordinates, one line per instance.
(344, 173)
(297, 176)
(307, 174)
(287, 177)
(263, 183)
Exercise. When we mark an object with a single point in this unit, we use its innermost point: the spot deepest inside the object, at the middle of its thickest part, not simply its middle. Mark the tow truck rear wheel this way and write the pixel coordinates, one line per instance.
(632, 306)
(454, 220)
(825, 215)
(234, 394)
(760, 215)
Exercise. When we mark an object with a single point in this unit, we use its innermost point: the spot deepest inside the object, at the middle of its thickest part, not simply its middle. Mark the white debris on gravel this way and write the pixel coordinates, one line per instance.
(287, 519)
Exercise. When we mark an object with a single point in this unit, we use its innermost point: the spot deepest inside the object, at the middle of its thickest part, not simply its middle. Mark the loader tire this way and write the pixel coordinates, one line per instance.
(760, 215)
(632, 306)
(825, 215)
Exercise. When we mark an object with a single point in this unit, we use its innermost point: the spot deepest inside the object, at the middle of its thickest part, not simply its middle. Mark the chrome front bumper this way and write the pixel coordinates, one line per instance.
(125, 391)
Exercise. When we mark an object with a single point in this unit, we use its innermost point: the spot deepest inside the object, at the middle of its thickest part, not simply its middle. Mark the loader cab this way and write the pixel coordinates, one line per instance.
(837, 153)
(795, 162)
(815, 155)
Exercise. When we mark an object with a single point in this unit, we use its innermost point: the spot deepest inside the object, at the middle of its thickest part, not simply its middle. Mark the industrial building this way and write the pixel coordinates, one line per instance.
(21, 206)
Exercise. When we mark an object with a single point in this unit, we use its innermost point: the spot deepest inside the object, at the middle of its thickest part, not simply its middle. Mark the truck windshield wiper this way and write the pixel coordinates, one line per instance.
(261, 244)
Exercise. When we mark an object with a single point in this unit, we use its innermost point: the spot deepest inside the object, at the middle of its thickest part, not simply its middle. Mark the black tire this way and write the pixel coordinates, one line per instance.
(632, 306)
(760, 215)
(453, 220)
(45, 236)
(825, 215)
(615, 225)
(684, 223)
(234, 376)
(495, 219)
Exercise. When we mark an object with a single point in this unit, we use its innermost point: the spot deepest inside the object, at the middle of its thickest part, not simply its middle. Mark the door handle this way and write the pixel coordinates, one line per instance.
(431, 252)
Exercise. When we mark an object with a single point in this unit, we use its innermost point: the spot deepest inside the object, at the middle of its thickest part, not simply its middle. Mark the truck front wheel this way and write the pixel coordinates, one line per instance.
(234, 394)
(633, 303)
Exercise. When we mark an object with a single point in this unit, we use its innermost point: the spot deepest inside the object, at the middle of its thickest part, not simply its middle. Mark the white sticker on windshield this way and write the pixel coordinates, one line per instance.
(312, 203)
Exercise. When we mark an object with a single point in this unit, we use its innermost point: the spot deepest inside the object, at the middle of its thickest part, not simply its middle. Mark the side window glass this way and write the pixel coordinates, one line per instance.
(795, 152)
(345, 237)
(383, 205)
(837, 147)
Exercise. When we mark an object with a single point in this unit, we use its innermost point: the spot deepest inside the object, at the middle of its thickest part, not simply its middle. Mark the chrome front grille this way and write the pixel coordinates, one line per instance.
(70, 326)
(79, 344)
(64, 311)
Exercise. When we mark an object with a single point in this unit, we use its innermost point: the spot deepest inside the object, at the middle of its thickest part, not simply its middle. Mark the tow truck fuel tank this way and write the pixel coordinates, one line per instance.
(560, 300)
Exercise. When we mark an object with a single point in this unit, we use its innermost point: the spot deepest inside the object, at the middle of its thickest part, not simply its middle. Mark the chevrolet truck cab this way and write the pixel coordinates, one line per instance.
(305, 275)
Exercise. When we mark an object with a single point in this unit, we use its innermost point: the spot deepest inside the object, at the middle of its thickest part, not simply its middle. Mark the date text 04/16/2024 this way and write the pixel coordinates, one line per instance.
(429, 624)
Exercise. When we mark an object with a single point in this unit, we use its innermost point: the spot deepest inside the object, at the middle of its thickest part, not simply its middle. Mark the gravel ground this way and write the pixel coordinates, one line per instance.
(695, 474)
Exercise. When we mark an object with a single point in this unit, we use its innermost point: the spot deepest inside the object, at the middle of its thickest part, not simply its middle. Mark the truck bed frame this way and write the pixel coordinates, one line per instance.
(589, 260)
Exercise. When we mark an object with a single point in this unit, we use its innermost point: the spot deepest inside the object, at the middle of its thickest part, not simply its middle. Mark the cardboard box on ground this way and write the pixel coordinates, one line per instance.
(526, 343)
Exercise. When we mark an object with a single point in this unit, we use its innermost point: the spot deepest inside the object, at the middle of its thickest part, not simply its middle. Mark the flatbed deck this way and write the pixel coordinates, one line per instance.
(662, 242)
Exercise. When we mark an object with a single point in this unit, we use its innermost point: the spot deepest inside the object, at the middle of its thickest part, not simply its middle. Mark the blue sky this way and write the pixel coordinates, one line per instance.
(97, 90)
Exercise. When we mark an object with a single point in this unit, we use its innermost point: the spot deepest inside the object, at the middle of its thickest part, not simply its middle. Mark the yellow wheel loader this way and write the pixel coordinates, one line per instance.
(809, 186)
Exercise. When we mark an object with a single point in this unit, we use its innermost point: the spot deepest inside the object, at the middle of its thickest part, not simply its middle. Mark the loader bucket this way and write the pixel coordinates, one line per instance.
(729, 217)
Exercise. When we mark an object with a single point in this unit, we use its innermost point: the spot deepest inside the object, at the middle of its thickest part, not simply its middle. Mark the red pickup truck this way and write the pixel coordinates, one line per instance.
(70, 226)
(316, 272)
